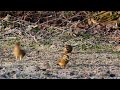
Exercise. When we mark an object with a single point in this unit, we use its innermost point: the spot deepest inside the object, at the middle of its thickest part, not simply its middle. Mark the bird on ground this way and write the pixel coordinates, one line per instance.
(67, 49)
(18, 52)
(62, 62)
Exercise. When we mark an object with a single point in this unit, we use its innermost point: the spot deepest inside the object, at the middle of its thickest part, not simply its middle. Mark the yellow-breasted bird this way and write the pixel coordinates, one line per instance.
(18, 52)
(62, 62)
(67, 49)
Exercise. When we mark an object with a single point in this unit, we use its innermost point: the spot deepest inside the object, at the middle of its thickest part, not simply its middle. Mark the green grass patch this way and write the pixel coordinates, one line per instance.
(86, 36)
(35, 30)
(9, 43)
(96, 48)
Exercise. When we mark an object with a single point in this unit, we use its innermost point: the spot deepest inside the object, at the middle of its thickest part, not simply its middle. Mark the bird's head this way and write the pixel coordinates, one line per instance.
(17, 44)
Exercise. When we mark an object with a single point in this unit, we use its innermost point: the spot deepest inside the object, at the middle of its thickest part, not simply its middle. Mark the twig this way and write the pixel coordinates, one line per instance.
(34, 38)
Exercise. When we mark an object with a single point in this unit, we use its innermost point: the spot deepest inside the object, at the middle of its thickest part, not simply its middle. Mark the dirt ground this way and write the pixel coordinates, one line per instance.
(41, 64)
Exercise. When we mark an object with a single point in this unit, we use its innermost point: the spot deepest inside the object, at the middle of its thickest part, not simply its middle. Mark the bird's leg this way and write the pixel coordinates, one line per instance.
(20, 57)
(16, 57)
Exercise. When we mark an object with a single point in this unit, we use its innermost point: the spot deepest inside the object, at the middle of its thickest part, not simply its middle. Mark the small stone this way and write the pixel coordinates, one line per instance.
(37, 68)
(43, 69)
(1, 67)
(72, 73)
(13, 72)
(8, 73)
(112, 75)
(108, 57)
(108, 72)
(37, 52)
(91, 74)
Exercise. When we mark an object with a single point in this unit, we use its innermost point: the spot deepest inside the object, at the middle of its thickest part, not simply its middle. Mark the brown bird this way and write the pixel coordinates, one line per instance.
(67, 49)
(62, 62)
(18, 52)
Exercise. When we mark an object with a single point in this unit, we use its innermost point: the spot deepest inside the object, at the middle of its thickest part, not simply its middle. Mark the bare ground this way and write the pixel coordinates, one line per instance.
(81, 65)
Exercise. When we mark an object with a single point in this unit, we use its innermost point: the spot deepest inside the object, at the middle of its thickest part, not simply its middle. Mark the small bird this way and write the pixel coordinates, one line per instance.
(18, 52)
(62, 62)
(67, 49)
